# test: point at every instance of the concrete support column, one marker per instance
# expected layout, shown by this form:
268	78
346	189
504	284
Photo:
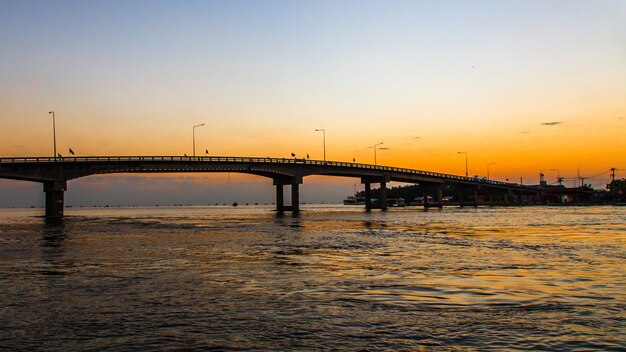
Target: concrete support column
367	181
383	195
54	198
506	197
368	196
295	198
461	200
440	196
425	196
280	201
295	194
475	198
490	194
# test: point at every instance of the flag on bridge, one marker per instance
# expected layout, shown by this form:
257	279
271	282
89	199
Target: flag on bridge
72	152
293	155
206	151
60	156
307	156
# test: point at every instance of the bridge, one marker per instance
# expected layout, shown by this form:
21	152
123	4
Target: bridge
54	173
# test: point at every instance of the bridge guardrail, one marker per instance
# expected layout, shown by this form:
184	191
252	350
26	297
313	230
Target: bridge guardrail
268	160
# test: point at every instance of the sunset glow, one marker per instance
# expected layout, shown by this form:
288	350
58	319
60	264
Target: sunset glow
529	86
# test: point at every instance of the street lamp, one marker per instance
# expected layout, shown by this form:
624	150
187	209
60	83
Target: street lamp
466	173
194	137
324	135
488	169
54	135
374	146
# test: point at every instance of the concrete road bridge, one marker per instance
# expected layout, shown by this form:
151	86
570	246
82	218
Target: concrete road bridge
54	173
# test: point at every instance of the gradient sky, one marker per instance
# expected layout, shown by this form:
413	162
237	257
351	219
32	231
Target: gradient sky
527	85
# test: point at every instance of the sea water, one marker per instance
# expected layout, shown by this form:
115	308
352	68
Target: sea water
331	278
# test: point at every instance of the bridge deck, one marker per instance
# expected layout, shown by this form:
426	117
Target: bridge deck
55	172
191	160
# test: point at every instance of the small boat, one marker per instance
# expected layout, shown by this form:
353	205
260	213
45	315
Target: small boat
354	200
395	202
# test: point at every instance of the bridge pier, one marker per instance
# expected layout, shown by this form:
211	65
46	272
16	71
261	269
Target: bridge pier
54	191
367	181
280	199
368	196
461	200
475	198
439	198
295	194
425	196
295	198
383	195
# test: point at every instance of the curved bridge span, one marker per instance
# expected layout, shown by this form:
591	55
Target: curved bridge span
55	172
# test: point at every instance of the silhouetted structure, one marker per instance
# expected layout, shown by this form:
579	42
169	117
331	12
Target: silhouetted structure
54	174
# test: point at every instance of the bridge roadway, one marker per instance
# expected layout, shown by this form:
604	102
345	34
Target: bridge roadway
55	172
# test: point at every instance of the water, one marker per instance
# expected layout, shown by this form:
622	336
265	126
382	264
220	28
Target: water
334	278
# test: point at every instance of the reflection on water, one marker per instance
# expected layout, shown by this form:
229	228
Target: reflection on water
331	278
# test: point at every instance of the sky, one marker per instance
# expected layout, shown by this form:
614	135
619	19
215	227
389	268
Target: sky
526	86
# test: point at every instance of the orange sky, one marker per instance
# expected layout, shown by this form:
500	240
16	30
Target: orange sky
425	80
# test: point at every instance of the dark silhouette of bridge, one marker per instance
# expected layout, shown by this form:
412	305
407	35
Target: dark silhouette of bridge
55	172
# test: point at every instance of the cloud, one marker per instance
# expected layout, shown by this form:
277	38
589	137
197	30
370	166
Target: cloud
551	123
525	132
383	148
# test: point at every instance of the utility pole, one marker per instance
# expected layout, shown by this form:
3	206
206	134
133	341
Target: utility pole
613	174
613	184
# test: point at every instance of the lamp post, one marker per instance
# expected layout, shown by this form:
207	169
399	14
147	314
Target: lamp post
466	173
374	146
194	137
324	135
54	135
488	169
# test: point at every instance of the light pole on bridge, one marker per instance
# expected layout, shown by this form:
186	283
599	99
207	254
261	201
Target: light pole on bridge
488	169
374	146
194	138
324	135
466	173
54	135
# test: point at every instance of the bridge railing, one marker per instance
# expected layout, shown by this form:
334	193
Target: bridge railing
80	159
